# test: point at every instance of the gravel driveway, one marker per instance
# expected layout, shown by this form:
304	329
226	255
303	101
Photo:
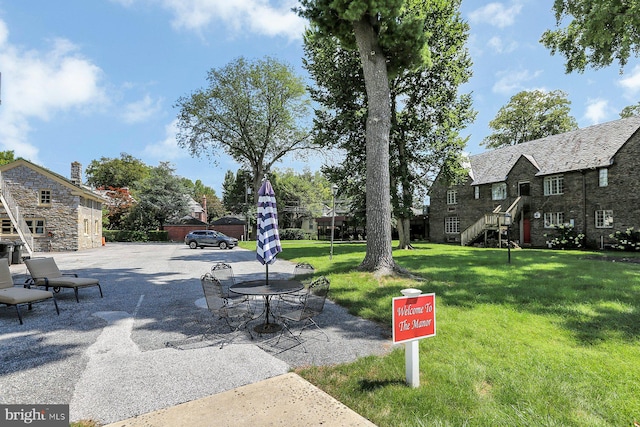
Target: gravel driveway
140	348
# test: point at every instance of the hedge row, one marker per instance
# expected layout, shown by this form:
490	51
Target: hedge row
135	236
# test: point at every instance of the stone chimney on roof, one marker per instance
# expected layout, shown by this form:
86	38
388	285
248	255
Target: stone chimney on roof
76	173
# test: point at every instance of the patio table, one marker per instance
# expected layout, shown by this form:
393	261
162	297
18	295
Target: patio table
267	290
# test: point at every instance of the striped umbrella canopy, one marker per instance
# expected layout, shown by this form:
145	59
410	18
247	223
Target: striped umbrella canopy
268	244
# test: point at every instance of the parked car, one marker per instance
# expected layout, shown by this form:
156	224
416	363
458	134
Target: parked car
202	238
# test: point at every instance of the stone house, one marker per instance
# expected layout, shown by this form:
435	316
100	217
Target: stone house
47	211
587	178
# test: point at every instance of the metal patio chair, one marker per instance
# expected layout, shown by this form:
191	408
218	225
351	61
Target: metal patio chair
303	271
235	313
313	305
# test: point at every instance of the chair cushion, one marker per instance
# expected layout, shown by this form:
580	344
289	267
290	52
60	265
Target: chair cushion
18	295
68	282
6	281
42	267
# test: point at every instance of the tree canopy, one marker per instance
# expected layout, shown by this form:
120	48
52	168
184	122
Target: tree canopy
162	196
254	111
630	111
116	172
530	115
597	32
7	157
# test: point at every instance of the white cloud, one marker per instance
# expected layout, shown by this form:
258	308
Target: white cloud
271	18
513	81
499	46
632	83
496	14
140	111
167	149
38	85
598	110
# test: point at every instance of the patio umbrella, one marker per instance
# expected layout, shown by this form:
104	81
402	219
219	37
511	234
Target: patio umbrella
268	244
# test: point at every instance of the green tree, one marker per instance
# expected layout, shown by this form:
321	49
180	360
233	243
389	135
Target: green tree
7	157
161	197
115	212
630	111
117	173
530	115
597	32
238	191
426	111
388	40
299	196
252	111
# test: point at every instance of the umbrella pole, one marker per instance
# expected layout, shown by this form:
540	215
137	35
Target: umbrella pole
267	267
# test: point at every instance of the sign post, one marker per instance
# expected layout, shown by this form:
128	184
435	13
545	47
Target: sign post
414	317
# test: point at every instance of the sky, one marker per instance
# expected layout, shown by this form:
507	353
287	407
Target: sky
82	80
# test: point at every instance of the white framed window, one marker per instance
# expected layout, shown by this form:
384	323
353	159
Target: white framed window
452	225
7	227
499	191
604	219
45	197
603	177
553	185
476	192
36	225
552	219
452	197
87	230
96	227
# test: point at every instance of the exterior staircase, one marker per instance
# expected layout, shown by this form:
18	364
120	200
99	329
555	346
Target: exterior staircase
18	222
490	221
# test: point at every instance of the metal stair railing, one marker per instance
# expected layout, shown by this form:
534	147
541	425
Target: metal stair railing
18	222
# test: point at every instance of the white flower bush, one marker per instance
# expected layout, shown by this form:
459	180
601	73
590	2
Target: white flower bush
566	237
628	240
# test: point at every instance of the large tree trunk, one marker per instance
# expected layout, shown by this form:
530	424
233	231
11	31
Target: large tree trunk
379	256
404	233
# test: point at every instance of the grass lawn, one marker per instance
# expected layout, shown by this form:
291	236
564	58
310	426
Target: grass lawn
552	339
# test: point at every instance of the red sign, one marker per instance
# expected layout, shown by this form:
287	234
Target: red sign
414	317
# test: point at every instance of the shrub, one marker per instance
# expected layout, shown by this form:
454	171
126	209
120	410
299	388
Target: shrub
292	234
566	237
628	240
125	236
158	236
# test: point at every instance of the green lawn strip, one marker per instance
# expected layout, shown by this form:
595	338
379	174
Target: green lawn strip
551	339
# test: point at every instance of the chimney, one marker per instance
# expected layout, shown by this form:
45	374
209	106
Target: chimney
205	215
76	173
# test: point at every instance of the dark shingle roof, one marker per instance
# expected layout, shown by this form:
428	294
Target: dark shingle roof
228	220
590	147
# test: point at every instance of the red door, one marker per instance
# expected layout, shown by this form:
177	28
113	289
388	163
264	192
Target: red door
526	230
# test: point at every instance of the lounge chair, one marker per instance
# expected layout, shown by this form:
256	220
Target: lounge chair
11	295
45	272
